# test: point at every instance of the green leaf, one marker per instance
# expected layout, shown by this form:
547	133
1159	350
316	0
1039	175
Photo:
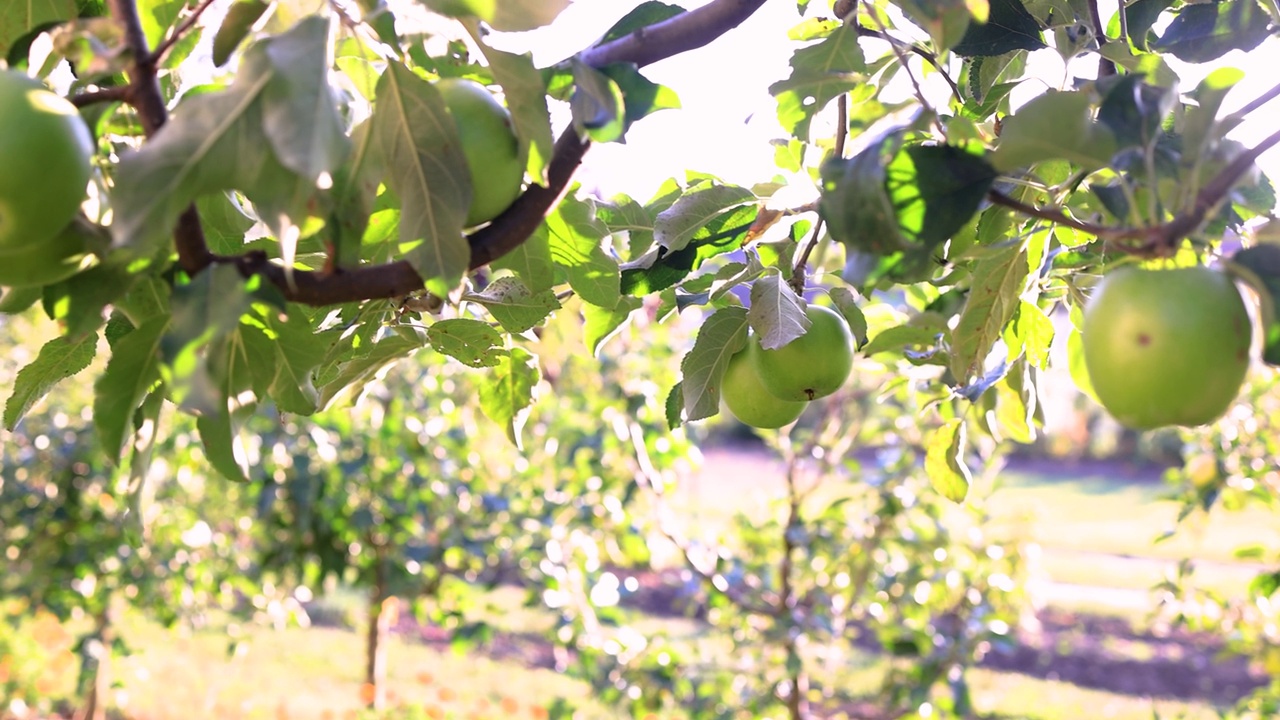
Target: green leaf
1206	31
299	114
521	15
819	74
60	358
224	222
575	235
1008	27
674	406
81	301
1030	332
204	309
357	371
418	141
16	300
998	282
298	351
507	393
157	17
936	190
217	437
1140	15
1262	263
643	15
19	17
513	305
214	141
641	96
599	109
676	226
722	334
855	201
922	334
944	461
600	324
777	313
353	199
525	95
946	21
472	342
1056	125
622	214
724	233
235	27
531	261
483	9
128	377
1199	120
1133	110
847	305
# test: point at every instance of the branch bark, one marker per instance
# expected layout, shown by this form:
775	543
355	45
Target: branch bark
687	31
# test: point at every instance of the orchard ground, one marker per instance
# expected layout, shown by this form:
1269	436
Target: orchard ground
1096	648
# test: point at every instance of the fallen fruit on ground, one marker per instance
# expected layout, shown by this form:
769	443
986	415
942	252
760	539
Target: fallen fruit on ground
813	365
489	144
744	394
1167	346
45	149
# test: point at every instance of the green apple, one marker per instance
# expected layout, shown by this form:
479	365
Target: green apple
489	144
813	365
45	152
743	393
1166	347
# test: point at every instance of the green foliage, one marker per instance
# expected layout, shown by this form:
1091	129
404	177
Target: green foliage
288	300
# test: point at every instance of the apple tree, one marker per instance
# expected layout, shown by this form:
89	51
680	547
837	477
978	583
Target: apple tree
277	214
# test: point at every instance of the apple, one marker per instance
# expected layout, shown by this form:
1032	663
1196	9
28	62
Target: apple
489	144
742	391
1166	347
45	152
813	365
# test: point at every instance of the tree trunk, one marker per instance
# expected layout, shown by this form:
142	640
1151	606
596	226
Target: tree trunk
95	699
382	611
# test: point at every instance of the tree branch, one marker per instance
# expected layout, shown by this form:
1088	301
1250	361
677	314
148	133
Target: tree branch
177	34
509	230
1213	193
143	92
1057	216
687	31
396	279
118	93
1105	66
932	59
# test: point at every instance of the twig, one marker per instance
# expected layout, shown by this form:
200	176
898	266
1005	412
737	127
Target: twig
118	93
1105	66
906	67
842	132
1057	216
177	34
1239	116
1213	193
927	55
